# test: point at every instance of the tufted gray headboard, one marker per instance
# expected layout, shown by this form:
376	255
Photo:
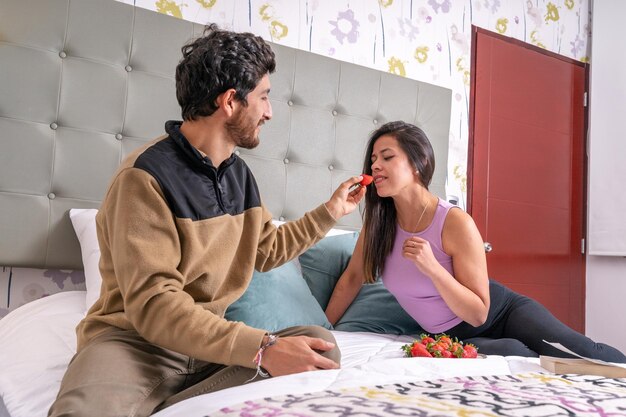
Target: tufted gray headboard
83	82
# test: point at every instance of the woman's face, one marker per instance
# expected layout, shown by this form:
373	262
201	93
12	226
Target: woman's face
391	168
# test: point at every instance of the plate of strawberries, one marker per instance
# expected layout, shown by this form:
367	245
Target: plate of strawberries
440	346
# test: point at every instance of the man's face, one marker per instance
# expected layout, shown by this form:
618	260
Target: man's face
246	122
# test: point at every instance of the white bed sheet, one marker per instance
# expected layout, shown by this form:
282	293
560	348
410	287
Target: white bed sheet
38	340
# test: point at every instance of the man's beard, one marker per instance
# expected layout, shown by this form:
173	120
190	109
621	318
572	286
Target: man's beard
242	130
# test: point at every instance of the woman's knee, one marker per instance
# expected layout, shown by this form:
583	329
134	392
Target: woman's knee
503	347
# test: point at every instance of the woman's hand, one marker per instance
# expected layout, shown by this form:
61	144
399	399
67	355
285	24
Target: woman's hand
418	251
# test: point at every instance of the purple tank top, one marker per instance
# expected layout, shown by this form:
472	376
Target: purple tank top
415	291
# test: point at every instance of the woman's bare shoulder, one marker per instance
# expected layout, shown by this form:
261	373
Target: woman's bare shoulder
459	230
457	218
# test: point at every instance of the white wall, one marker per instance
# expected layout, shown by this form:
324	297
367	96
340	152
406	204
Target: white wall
607	145
606	275
606	294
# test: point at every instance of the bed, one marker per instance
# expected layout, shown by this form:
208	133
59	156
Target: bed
374	379
85	82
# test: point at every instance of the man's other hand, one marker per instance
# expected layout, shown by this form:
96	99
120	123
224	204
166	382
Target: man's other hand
290	355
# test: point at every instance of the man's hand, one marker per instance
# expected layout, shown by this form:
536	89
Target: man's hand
344	201
291	355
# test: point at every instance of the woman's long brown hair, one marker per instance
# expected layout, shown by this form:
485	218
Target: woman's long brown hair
379	217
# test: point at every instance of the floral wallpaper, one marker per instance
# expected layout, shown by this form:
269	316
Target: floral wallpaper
427	40
19	286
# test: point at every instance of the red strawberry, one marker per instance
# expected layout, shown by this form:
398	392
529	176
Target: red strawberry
457	349
445	339
419	350
426	339
442	346
367	180
470	351
446	354
437	350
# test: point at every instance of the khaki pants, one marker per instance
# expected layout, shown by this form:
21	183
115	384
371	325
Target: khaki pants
119	374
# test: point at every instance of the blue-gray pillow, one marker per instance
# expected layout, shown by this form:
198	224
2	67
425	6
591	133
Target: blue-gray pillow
277	299
374	309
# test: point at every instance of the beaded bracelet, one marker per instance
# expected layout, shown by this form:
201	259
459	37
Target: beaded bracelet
271	340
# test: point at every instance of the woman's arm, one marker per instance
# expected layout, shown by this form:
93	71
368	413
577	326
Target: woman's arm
348	285
463	242
467	292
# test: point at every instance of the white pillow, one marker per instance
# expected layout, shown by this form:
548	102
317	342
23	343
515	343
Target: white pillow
84	222
38	341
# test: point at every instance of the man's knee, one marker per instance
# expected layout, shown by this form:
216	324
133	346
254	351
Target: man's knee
322	333
317	332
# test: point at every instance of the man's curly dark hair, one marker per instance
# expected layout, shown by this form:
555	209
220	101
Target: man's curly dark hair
215	62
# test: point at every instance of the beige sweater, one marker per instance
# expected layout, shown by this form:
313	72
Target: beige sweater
171	279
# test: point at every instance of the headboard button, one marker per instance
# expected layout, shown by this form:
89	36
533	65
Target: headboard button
281	218
52	196
286	161
62	54
290	103
53	126
375	121
118	136
331	167
237	152
335	113
128	68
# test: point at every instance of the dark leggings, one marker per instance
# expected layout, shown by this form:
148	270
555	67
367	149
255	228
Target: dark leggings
517	325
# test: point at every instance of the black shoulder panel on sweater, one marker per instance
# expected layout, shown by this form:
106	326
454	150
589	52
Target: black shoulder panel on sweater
194	188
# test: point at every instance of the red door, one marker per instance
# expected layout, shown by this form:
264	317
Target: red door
526	170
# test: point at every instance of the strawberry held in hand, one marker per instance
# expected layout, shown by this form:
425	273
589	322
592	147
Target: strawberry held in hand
441	346
367	180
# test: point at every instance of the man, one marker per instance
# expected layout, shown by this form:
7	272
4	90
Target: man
181	229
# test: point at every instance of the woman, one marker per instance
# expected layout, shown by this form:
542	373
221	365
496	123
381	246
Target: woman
430	256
